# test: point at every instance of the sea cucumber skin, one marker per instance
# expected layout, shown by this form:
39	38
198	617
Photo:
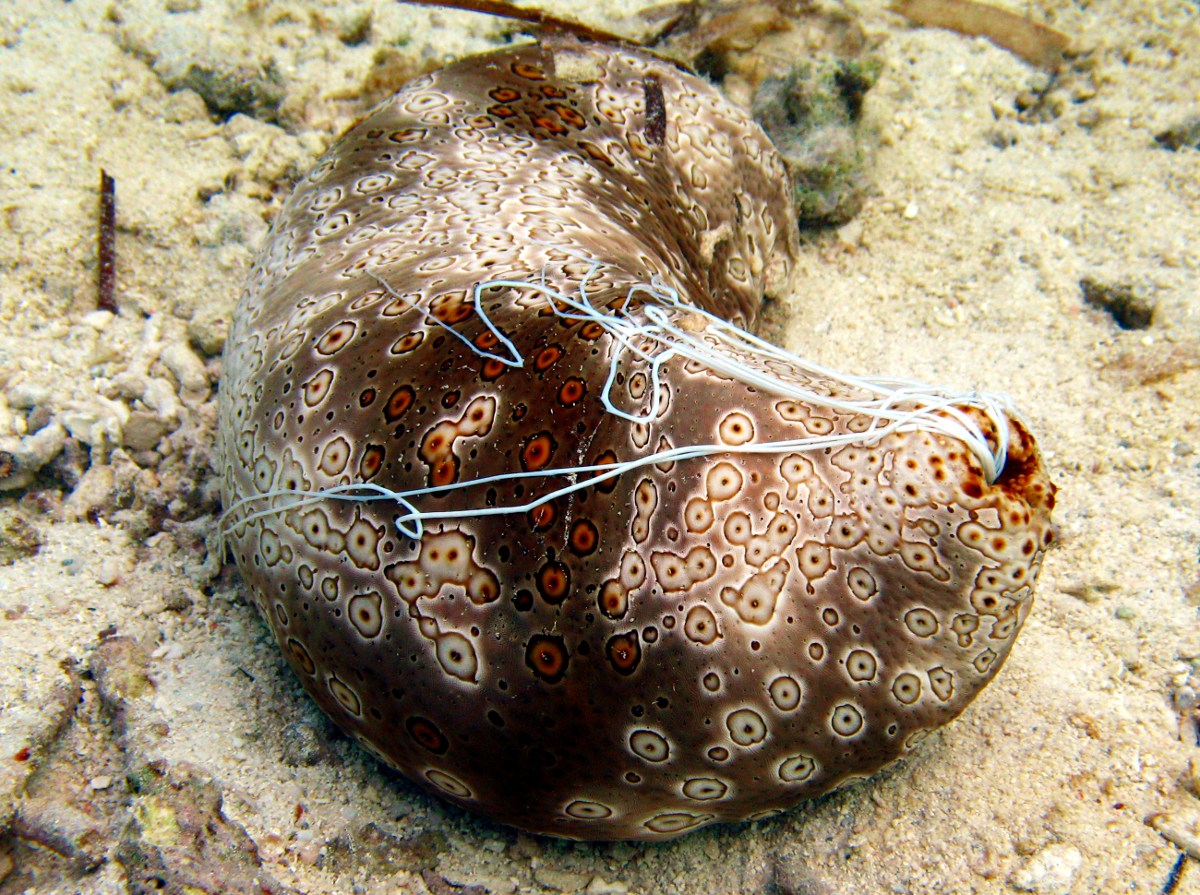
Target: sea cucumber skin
700	640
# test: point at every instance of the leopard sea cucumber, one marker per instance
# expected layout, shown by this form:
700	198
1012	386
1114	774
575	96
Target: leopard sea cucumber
537	522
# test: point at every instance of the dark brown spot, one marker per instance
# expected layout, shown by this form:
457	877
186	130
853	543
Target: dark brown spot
572	390
584	537
366	397
504	94
613	601
402	399
537	451
569	115
624	652
301	655
556	128
409	135
492	370
553	582
372	461
608	458
444	472
528	71
546	655
546	357
542	516
451	308
426	733
595	152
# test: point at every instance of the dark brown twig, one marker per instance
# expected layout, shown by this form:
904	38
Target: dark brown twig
532	16
106	279
656	111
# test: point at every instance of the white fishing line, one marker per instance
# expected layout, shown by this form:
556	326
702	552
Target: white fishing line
645	330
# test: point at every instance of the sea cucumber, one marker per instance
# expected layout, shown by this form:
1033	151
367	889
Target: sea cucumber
539	524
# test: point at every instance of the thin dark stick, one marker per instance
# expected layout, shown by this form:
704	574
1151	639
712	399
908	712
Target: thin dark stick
1175	875
533	16
106	280
656	111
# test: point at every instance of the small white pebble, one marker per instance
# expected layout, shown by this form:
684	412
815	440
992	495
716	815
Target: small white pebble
169	651
309	853
600	886
852	233
160	397
911	210
98	320
185	366
108	572
1050	872
104	781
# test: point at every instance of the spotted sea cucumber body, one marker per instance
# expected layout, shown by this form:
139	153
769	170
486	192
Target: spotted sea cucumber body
706	639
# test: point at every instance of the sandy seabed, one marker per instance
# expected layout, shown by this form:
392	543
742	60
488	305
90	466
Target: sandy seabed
146	716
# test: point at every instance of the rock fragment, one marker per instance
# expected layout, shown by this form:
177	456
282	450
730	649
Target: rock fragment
21	459
179	840
1181	828
143	431
19	538
1049	872
1123	302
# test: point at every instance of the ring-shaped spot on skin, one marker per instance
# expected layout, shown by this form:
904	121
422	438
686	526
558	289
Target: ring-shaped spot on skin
797	768
746	727
846	720
861	665
785	693
448	783
705	789
583	809
650	746
547	657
